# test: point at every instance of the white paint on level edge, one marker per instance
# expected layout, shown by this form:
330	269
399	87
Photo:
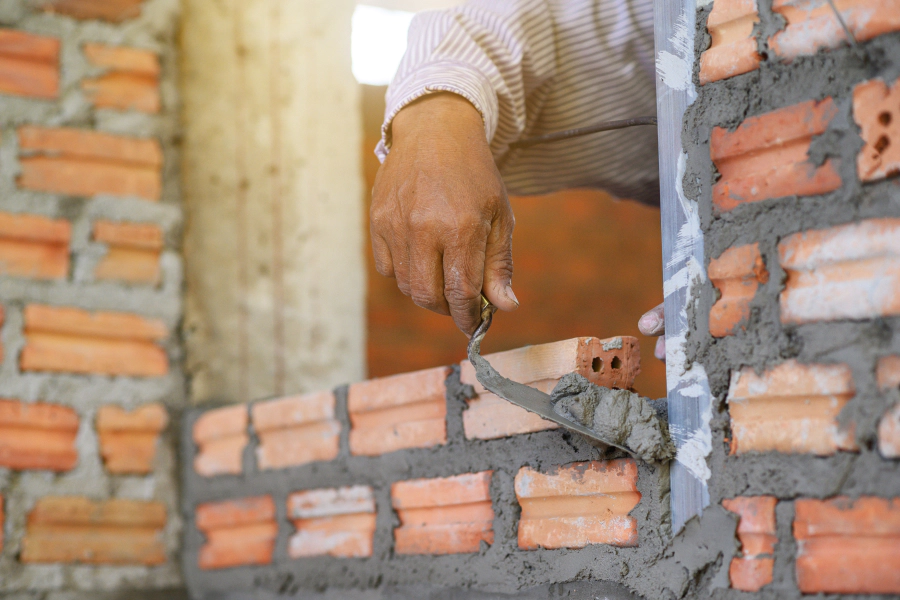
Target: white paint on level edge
675	68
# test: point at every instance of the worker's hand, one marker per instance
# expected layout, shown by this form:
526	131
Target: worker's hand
441	223
653	322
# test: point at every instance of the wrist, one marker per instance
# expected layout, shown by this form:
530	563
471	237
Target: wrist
441	114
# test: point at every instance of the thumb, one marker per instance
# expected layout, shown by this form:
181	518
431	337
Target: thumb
498	263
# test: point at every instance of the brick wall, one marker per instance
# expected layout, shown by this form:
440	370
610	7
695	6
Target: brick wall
389	489
90	290
791	160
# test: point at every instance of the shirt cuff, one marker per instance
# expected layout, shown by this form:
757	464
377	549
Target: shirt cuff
436	77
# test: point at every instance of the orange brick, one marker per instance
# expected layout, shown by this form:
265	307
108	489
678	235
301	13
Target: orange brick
756	532
846	272
848	547
733	48
134	251
128	441
34	246
402	411
84	163
131	82
37	436
450	515
888	375
541	366
29	64
78	530
106	10
811	24
335	522
579	504
296	430
221	436
238	532
737	274
790	408
767	156
72	340
876	109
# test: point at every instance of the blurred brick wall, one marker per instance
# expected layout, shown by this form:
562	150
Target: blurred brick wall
584	265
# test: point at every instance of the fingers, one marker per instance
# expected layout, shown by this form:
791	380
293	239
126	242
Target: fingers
380	250
653	322
498	264
660	350
463	273
426	276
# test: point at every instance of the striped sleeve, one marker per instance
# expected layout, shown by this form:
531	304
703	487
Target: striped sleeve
537	66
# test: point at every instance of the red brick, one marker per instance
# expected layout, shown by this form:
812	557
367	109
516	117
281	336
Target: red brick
756	532
37	436
221	436
578	504
238	532
296	430
876	109
34	246
541	366
450	515
733	48
84	163
29	64
848	546
133	254
846	272
790	408
811	24
767	156
79	530
72	340
737	274
107	10
335	522
128	440
888	375
402	411
132	79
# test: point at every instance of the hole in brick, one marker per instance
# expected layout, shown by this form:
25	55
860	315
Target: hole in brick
616	362
882	144
885	118
597	364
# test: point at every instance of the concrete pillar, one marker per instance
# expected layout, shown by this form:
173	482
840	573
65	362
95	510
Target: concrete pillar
273	196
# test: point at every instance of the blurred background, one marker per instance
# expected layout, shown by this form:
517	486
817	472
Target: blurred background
585	264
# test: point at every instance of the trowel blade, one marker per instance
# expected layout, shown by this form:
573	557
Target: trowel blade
519	394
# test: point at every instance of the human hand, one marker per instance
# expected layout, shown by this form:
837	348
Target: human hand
440	221
653	322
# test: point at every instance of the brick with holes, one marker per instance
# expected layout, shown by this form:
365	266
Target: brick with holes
876	109
337	522
131	80
133	251
29	64
128	440
221	436
37	435
238	532
34	246
612	362
888	376
296	430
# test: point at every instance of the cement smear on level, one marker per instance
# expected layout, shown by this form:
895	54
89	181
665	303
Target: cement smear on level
622	417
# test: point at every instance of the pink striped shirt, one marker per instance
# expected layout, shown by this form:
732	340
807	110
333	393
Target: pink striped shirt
538	66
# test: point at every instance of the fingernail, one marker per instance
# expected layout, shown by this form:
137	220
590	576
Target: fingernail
511	295
649	322
660	350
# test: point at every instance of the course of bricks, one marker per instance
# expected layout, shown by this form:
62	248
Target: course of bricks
90	298
792	161
380	482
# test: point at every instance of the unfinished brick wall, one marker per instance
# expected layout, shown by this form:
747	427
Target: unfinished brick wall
90	293
394	487
791	157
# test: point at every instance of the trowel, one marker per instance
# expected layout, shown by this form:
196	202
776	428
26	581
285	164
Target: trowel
519	394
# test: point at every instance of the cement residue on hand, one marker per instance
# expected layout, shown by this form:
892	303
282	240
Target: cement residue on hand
619	416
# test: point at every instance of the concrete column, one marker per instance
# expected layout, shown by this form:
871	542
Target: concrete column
273	197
